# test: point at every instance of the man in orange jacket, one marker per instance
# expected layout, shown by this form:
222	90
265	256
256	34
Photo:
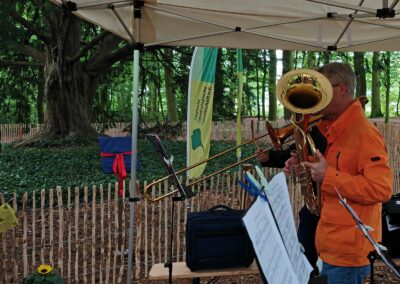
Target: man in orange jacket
355	163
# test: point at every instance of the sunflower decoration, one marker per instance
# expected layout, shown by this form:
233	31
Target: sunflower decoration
44	274
44	269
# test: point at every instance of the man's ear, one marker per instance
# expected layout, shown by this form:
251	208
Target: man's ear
343	89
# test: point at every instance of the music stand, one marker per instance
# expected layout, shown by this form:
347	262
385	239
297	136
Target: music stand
166	161
185	193
378	248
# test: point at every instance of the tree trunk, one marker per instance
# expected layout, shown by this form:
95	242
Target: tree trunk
153	100
264	83
158	90
219	103
169	88
69	90
359	70
311	62
40	98
256	60
387	85
287	62
376	94
272	86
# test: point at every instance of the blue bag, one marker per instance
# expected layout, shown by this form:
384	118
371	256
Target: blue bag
117	145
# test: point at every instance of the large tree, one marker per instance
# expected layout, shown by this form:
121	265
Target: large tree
74	56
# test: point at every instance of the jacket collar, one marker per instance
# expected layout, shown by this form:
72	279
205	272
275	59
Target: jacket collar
350	116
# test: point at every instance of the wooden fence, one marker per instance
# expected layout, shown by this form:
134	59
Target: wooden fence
221	130
14	132
76	230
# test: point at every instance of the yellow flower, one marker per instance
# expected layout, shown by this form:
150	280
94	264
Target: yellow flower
44	269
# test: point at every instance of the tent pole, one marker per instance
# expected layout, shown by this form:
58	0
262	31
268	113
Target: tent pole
132	188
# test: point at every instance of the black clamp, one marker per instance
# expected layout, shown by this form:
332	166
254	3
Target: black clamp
238	29
70	6
133	199
138	46
137	11
331	48
385	13
331	14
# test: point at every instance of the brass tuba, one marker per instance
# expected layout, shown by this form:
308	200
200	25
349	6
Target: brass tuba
305	92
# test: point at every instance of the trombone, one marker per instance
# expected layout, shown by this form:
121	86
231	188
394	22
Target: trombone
272	132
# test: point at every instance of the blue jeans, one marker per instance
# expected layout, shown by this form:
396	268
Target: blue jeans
345	275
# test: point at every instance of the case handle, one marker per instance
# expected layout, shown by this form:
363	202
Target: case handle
220	206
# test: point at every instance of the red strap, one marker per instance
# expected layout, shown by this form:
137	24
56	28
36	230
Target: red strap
118	168
115	154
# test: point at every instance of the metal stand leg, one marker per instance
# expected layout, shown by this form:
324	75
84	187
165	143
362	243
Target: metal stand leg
168	264
372	256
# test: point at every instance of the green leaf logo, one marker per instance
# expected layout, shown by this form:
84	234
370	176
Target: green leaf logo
196	139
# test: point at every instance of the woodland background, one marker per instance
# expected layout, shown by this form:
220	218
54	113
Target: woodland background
58	70
66	74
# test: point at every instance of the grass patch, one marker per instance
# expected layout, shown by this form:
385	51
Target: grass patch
28	169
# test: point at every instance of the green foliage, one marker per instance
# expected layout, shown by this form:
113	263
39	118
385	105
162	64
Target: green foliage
29	169
114	92
50	276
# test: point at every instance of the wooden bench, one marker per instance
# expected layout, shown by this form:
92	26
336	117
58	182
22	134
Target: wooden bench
181	271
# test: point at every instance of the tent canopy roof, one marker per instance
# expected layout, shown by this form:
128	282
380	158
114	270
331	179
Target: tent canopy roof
318	25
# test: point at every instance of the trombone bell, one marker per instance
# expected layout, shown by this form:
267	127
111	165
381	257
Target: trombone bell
304	91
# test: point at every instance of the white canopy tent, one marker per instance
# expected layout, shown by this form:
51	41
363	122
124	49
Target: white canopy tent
318	25
351	25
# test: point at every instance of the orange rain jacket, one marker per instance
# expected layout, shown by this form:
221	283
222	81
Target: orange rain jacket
358	168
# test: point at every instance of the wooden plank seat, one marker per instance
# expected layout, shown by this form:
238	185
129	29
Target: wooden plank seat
181	271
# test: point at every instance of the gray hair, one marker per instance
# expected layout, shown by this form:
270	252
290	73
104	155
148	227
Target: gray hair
338	72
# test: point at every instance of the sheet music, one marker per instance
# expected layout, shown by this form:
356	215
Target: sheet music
278	195
267	243
292	258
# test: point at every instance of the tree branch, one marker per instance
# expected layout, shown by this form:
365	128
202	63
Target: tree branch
83	51
20	64
29	26
122	54
27	50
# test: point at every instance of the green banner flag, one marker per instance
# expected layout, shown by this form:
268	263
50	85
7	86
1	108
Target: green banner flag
200	102
239	103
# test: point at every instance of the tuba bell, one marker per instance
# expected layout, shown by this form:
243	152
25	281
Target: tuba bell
305	92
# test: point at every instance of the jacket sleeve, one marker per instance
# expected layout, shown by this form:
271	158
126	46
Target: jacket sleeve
374	179
277	158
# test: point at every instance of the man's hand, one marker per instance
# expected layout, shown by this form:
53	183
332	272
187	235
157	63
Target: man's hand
262	156
318	169
290	164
